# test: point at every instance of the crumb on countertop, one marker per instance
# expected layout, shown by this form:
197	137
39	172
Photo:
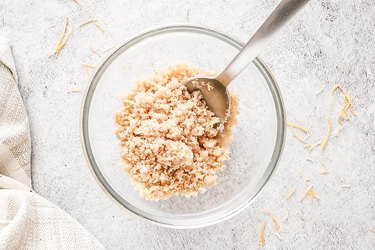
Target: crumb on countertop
290	194
275	221
262	236
309	192
64	37
91	20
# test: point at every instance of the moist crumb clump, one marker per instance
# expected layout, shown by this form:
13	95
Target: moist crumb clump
170	144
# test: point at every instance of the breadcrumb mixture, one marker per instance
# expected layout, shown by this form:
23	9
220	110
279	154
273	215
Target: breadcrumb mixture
169	142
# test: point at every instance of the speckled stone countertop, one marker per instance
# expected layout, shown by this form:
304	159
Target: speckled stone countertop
332	41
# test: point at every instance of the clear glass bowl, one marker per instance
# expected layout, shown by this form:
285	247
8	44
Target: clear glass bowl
258	136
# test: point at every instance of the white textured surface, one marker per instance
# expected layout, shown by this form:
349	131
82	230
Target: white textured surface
333	41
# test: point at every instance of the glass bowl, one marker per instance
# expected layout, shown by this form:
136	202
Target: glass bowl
258	137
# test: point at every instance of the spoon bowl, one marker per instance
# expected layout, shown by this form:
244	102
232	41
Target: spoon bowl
214	93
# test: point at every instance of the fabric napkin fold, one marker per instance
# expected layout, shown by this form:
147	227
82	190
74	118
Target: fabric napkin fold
27	221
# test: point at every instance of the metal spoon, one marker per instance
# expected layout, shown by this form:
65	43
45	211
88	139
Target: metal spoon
214	89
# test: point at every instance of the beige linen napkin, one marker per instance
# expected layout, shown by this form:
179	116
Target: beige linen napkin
27	221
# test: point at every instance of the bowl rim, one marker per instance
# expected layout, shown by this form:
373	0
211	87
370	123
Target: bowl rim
187	222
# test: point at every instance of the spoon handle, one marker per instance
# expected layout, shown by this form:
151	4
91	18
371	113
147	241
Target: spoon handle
274	24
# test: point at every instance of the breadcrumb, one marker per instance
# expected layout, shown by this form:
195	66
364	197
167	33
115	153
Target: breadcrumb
297	126
91	20
170	144
309	191
275	222
312	195
87	68
63	39
262	230
300	139
99	26
290	194
338	87
87	65
310	147
324	142
346	106
95	51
